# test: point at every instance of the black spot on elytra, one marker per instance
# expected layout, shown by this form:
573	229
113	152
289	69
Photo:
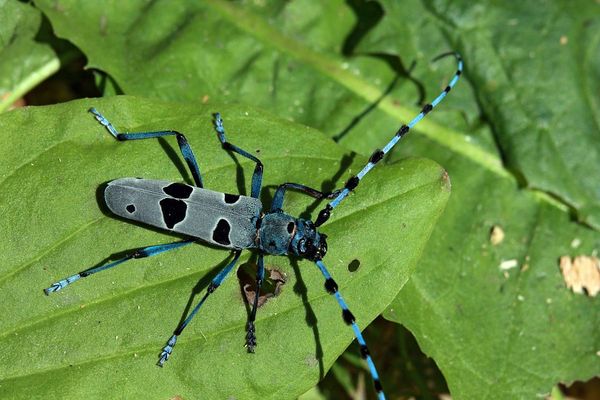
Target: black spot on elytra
221	233
231	198
290	227
130	208
178	190
173	211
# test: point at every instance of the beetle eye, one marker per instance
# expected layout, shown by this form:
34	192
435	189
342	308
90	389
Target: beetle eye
323	247
290	227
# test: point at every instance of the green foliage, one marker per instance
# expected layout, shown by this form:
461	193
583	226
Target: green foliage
223	50
24	62
513	334
500	334
107	332
518	135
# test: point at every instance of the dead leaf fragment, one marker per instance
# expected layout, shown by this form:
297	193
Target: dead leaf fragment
496	235
581	274
272	287
508	264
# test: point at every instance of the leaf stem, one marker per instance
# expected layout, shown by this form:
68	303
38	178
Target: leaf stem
31	81
35	78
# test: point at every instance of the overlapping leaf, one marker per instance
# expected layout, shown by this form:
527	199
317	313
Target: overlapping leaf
535	72
23	62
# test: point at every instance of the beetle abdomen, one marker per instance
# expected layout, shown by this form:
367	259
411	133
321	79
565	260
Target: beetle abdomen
218	218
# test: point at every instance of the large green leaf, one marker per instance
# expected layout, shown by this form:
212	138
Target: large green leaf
528	102
24	62
106	331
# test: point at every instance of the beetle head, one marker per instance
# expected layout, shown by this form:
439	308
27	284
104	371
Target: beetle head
307	242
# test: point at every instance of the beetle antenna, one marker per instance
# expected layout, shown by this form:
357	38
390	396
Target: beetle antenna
378	154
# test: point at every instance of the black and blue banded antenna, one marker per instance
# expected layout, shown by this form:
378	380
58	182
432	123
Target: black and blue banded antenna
351	184
378	155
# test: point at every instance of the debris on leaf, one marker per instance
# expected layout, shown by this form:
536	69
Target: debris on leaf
575	243
581	274
496	235
508	264
271	286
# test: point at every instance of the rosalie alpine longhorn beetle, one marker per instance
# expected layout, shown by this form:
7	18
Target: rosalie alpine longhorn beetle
234	221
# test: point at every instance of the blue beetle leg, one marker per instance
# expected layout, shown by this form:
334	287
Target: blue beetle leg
277	203
258	169
378	154
140	253
184	146
251	332
214	284
349	319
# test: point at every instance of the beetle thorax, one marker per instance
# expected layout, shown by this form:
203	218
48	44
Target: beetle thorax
281	234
